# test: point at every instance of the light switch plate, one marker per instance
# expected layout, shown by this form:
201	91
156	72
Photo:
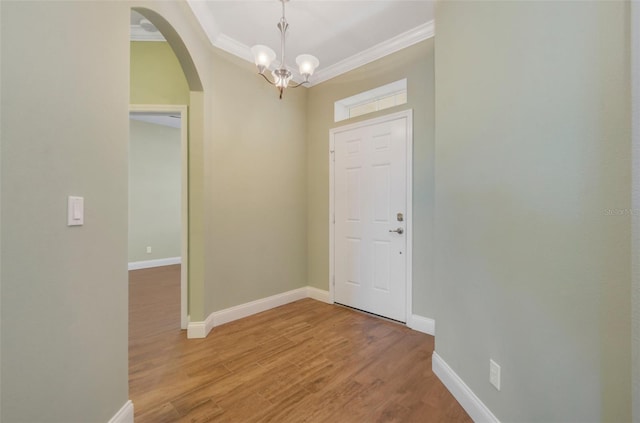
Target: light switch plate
494	374
75	211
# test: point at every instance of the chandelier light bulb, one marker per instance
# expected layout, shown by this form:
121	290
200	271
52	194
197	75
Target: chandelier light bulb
307	64
263	59
263	56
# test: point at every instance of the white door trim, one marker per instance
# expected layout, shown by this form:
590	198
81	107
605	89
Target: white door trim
408	114
184	194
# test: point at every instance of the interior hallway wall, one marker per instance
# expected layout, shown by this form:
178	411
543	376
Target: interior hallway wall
64	104
256	230
154	191
635	286
533	183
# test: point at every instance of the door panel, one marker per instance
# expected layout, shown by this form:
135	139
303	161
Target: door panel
370	189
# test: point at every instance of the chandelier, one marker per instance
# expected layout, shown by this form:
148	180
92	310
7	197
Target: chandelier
282	76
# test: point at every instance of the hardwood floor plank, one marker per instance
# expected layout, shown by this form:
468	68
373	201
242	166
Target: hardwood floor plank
263	351
205	412
361	406
161	413
303	362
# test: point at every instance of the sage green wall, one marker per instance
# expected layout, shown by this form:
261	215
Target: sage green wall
532	150
635	249
256	167
64	102
154	191
1	118
416	64
156	75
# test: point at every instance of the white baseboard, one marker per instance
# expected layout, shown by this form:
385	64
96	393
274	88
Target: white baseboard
124	415
422	324
200	329
136	265
217	318
318	294
465	396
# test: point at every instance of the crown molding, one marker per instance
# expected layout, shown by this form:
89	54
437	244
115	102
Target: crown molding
231	45
392	45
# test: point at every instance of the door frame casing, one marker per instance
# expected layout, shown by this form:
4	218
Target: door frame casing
184	196
408	115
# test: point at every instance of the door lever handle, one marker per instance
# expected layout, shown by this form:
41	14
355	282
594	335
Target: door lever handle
399	230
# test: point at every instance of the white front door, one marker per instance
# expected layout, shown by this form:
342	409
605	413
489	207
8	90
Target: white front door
370	206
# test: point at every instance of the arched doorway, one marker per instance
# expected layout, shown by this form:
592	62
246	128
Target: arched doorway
193	273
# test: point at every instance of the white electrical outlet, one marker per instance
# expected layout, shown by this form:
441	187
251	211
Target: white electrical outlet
148	250
494	374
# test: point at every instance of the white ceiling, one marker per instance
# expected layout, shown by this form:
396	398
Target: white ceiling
342	34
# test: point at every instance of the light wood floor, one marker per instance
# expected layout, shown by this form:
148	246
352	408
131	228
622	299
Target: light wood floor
302	362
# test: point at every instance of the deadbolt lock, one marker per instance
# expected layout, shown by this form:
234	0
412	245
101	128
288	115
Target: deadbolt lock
400	217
